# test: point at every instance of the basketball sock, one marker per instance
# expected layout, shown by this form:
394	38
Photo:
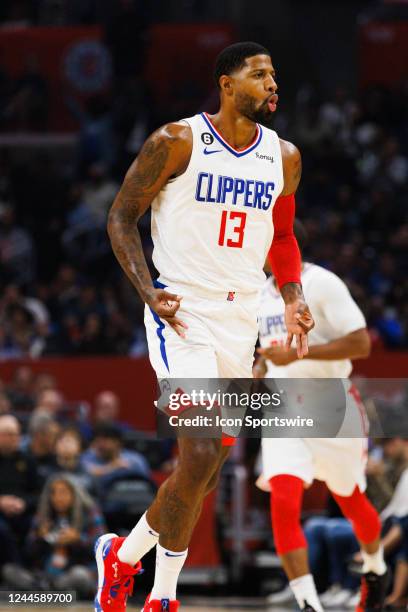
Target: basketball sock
374	562
304	589
168	567
140	540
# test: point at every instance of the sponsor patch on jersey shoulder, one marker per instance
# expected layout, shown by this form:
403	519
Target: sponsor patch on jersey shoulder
207	138
265	157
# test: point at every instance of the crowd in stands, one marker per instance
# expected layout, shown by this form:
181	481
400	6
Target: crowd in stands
60	473
62	290
68	473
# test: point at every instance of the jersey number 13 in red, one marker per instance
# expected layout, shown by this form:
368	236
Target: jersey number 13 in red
232	223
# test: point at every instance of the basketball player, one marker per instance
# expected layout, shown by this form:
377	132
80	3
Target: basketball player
290	464
220	189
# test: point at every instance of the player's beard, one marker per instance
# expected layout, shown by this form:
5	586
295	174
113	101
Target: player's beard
252	110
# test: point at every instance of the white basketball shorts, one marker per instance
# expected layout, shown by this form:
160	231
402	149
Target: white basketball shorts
220	339
340	462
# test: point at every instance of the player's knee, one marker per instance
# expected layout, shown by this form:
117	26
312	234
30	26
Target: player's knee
362	514
203	459
286	502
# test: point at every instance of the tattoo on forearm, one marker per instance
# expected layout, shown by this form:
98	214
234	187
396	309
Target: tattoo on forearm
128	249
291	292
150	164
123	218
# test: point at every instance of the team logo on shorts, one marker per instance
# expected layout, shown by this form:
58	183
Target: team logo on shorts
231	296
207	138
164	385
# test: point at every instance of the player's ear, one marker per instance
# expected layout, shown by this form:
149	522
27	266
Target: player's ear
226	84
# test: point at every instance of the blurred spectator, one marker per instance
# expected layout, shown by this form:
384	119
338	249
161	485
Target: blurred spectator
84	238
20	391
5	404
68	450
17	252
99	192
106	459
107	410
396	449
43	382
18	489
28	106
50	402
335	537
60	543
43	430
97	141
398	598
94	340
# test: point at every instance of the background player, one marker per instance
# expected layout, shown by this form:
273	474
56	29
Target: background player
291	464
212	183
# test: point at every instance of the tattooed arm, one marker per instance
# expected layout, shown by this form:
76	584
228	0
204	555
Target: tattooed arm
298	319
164	155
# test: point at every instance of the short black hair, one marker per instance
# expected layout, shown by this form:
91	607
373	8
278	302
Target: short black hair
233	58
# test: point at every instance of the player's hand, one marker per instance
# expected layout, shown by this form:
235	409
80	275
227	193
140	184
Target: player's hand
165	305
279	355
259	368
299	322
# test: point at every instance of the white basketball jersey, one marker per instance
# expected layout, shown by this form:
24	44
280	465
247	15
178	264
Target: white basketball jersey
212	226
335	314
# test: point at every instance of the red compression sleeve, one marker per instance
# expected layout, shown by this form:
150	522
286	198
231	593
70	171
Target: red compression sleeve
286	507
362	514
284	254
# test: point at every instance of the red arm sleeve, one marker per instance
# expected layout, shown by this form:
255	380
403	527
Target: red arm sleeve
284	254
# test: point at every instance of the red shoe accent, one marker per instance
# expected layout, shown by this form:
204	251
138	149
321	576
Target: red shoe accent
373	591
115	581
363	596
156	605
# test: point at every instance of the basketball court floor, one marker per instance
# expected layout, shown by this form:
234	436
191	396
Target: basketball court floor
188	605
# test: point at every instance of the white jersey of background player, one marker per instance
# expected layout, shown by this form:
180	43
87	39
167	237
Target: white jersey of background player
339	323
336	315
339	336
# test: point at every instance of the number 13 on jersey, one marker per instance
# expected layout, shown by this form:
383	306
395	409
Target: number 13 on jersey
232	224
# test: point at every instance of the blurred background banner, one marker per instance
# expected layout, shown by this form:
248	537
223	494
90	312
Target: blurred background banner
383	53
185	78
71	61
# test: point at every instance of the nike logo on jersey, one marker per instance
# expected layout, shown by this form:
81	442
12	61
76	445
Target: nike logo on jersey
207	152
170	555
